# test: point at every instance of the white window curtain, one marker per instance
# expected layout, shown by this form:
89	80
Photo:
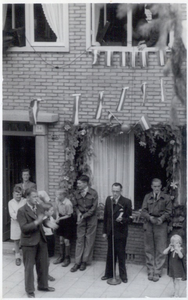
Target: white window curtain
111	163
4	14
96	15
54	17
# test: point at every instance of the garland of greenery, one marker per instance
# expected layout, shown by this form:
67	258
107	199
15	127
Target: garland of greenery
79	150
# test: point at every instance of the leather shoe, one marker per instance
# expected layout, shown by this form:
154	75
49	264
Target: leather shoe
82	266
156	278
104	277
18	261
75	268
48	289
125	280
31	295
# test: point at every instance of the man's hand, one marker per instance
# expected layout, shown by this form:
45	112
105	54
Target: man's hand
153	220
119	219
159	221
51	224
104	236
39	219
79	218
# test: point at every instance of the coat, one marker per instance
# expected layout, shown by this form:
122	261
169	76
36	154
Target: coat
123	206
30	232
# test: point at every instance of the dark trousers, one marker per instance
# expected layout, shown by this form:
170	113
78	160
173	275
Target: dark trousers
35	255
155	240
119	253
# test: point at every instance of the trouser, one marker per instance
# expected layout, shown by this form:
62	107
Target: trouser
119	253
35	255
86	232
155	240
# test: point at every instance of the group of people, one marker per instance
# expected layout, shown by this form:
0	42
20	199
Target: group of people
34	219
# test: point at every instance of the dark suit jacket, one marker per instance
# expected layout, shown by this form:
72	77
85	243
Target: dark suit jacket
30	233
124	206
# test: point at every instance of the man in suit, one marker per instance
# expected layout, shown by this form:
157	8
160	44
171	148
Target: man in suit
26	183
34	244
122	211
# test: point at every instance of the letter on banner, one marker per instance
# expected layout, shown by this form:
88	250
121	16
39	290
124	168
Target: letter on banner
108	58
123	59
144	58
162	91
144	122
96	54
143	89
133	58
110	115
162	57
76	109
122	98
99	107
33	111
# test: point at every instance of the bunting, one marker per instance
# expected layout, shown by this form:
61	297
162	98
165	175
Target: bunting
162	57
99	107
108	58
162	91
122	98
76	109
143	89
96	55
110	115
144	58
33	111
123	59
134	55
144	123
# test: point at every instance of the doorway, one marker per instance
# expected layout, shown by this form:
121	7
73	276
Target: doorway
18	154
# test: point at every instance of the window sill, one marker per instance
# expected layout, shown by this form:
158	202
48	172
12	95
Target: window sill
124	49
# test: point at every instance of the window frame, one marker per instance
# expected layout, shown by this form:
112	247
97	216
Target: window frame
33	46
129	48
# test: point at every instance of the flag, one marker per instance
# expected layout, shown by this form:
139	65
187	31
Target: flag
122	98
96	54
162	91
162	57
108	58
99	107
143	89
110	115
33	111
123	59
144	123
76	109
144	58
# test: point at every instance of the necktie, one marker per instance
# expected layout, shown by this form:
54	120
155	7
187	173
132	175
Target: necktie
35	210
155	197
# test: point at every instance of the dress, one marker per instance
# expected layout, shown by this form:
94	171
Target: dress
66	226
175	265
13	207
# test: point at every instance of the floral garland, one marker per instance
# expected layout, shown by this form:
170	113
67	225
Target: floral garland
79	149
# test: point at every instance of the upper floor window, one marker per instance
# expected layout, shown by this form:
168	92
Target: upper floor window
120	25
40	27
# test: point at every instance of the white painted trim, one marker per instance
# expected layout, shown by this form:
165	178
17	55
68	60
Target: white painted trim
23	116
18	133
131	167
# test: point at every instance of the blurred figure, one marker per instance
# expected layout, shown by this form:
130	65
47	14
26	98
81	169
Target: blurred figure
26	183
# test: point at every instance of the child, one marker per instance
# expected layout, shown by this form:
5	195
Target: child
64	218
44	200
15	232
175	262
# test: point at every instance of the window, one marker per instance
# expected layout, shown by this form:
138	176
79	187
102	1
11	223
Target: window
118	25
40	27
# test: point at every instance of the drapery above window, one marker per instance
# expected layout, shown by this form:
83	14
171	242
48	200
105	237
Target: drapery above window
111	163
54	16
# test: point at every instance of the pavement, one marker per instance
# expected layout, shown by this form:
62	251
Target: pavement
86	284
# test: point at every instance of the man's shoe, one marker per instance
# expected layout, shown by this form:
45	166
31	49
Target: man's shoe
59	260
150	277
50	278
82	266
75	268
48	289
18	261
105	277
156	278
125	280
31	295
66	262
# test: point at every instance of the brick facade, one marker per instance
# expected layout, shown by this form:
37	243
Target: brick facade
27	76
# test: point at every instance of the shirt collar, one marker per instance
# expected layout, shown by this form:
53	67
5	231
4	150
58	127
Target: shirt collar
32	207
